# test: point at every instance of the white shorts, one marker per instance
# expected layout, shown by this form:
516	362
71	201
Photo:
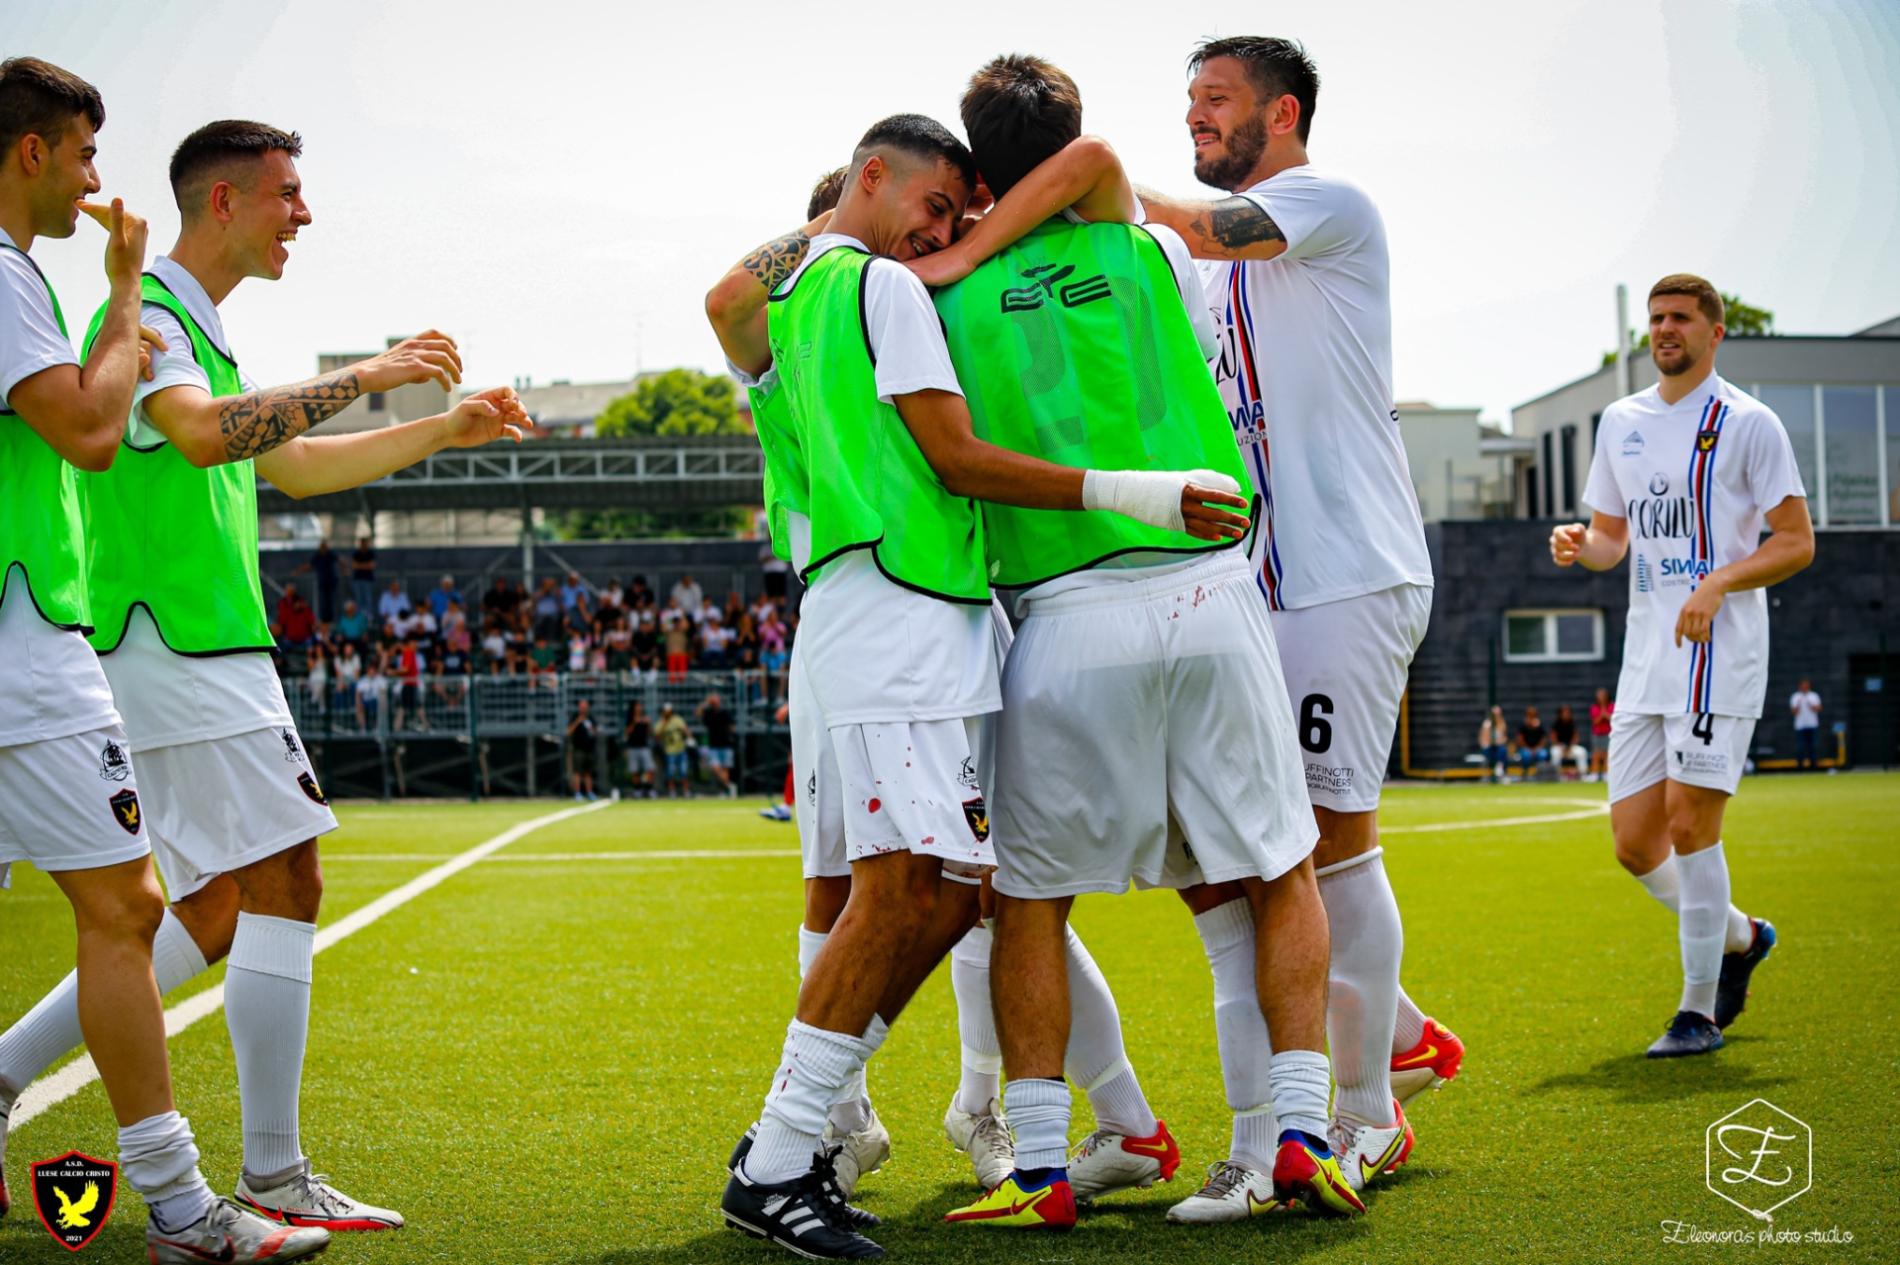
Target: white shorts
1137	715
70	803
1346	665
835	823
1696	750
221	805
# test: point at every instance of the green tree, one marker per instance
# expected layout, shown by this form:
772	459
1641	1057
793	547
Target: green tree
1741	318
677	402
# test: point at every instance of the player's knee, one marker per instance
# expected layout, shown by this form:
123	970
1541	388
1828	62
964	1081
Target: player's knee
1633	856
128	910
1689	829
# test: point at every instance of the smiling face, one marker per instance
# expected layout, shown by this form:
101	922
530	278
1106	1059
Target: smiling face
1681	335
916	203
1228	123
66	176
266	209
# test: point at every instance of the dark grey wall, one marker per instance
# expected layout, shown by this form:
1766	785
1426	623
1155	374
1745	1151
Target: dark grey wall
1819	623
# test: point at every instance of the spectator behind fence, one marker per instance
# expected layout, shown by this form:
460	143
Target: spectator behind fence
352	624
296	621
1565	747
393	604
678	638
371	688
572	591
1533	742
322	566
363	574
547	608
580	750
1805	706
637	739
1493	740
317	679
717	753
442	595
674	737
687	595
1601	712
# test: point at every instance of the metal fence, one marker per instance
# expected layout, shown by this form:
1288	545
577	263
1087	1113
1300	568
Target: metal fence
507	735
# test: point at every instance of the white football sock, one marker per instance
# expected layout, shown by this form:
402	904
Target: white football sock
811	1075
1702	925
1096	1060
809	942
267	1009
1665	884
982	1073
1409	1029
852	1111
159	1158
1240	1030
51	1028
1301	1079
1038	1113
1363	984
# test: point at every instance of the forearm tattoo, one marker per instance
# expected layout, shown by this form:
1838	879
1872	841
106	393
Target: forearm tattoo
256	423
1233	224
778	259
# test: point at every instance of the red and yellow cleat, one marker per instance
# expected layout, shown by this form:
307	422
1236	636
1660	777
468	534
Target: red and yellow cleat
1312	1178
1427	1065
1044	1205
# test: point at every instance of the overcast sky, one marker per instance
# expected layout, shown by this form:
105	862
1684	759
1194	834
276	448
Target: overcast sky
557	184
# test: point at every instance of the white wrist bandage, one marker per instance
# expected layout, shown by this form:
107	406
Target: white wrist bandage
1148	496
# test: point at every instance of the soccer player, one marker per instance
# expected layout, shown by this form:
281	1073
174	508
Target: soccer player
897	640
1299	283
1126	631
233	807
1686	475
69	797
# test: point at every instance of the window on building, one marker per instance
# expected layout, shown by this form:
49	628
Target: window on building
1794	405
1553	636
1550	466
1851	423
1530	491
1568	440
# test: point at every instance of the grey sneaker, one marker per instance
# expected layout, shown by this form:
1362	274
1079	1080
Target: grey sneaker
308	1199
228	1234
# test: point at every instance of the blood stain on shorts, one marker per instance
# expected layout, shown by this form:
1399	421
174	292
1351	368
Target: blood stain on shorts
874	805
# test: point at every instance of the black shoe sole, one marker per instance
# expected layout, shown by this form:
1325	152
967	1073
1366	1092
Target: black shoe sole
751	1231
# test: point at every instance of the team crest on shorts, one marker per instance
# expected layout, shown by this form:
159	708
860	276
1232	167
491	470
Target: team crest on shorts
125	810
966	776
978	816
311	790
73	1194
293	751
114	766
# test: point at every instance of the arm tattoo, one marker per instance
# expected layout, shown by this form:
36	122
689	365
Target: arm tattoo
1233	224
777	259
254	424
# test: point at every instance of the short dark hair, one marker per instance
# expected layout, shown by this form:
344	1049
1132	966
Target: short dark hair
1705	295
920	137
1275	67
37	98
1018	110
825	194
215	146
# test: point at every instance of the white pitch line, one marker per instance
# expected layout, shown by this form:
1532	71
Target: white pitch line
50	1091
528	858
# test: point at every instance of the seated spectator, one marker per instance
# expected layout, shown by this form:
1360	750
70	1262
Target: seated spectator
687	595
1493	739
1601	712
425	629
444	594
317	684
544	661
392	603
500	600
371	689
447	684
1533	742
715	642
573	591
705	612
735	607
408	665
613	597
494	645
772	651
353	624
1565	747
639	596
578	645
547	607
294	616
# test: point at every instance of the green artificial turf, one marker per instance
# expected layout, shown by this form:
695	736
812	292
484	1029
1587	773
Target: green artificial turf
548	1059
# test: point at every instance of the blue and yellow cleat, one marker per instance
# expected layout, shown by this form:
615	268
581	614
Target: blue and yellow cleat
1731	993
1305	1172
1022	1202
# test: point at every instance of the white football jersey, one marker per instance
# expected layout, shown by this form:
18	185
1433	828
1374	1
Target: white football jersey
1306	371
1693	480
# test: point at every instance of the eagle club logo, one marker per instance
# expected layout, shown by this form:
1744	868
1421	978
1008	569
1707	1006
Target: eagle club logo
311	790
73	1194
978	816
125	810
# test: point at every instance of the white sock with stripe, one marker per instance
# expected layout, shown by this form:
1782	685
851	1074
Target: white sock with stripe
1240	1030
1096	1059
981	1077
1664	883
